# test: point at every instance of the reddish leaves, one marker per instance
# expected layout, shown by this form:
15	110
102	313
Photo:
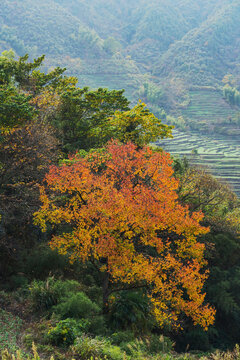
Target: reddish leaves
123	209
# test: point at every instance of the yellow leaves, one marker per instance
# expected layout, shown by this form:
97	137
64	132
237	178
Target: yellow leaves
163	315
40	221
138	125
233	218
123	208
6	130
47	100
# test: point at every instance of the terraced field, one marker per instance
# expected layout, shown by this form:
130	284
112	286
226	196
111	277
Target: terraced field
208	111
220	156
208	105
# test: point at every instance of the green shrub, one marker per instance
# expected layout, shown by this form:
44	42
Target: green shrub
94	292
142	347
4	299
135	349
28	339
43	261
85	348
66	331
122	337
112	352
195	339
45	294
98	325
130	309
17	281
156	344
77	306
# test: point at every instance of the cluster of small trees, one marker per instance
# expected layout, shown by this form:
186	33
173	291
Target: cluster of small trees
232	95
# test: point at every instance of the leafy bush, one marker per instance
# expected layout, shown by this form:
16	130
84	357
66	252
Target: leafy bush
28	340
66	331
43	261
94	292
195	339
98	325
156	344
142	347
135	349
85	347
130	309
17	281
112	352
45	294
77	306
122	337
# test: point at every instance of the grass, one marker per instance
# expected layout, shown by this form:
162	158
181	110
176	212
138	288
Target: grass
10	331
228	355
12	340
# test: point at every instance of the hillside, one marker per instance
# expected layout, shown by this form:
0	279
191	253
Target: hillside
173	44
111	248
208	52
35	25
180	38
172	55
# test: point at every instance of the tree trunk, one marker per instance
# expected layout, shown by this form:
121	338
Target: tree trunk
106	292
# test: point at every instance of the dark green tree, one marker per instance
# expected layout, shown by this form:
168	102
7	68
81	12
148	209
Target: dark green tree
20	82
81	112
201	191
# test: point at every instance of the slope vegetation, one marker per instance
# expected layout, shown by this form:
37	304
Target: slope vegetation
171	54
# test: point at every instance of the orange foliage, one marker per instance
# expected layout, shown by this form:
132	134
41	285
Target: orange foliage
124	213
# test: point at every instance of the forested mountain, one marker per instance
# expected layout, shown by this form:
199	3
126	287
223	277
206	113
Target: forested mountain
197	42
204	55
176	56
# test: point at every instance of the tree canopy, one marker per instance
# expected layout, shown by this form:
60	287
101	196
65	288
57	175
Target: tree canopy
122	212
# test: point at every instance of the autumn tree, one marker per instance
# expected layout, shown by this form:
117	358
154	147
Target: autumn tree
118	208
